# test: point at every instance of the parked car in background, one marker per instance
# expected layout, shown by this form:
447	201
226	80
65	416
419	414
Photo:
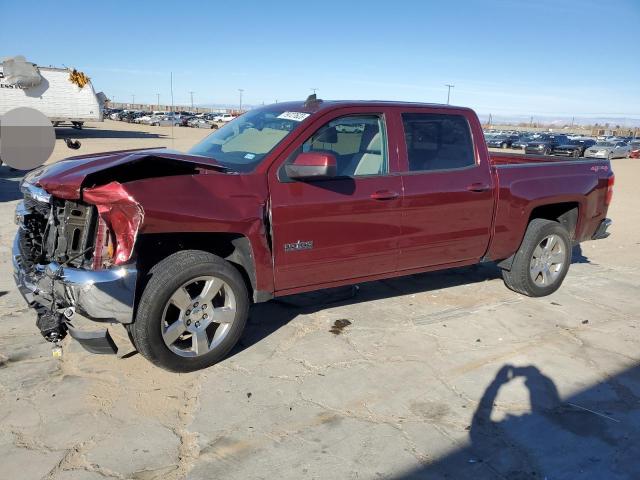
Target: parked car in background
166	121
608	150
144	118
184	120
635	149
522	141
575	148
501	141
202	123
545	144
225	117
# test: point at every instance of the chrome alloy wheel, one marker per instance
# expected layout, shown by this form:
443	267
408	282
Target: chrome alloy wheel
198	316
547	261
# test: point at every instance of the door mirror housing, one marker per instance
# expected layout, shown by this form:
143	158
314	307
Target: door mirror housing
312	166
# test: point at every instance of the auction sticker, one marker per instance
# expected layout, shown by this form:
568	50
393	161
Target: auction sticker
295	116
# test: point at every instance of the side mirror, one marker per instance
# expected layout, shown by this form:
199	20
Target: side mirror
312	165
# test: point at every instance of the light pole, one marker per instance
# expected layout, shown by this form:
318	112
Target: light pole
314	89
133	100
191	93
158	101
449	87
240	90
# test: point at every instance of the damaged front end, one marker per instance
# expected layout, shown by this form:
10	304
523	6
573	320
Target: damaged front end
75	256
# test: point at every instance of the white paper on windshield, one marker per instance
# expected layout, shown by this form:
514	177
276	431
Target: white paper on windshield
295	116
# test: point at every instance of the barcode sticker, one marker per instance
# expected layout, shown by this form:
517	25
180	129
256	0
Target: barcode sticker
296	116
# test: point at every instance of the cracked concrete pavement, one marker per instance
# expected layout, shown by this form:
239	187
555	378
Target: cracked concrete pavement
439	375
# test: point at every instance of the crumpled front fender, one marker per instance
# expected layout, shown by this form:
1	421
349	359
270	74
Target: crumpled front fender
120	213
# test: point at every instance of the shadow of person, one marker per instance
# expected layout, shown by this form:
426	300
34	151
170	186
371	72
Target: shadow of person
531	445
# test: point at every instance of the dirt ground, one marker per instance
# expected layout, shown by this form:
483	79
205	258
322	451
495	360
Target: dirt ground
439	375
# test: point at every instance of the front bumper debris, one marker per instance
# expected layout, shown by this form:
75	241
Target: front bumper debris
58	291
102	295
94	342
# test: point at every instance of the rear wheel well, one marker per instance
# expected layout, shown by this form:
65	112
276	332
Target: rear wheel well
235	248
564	213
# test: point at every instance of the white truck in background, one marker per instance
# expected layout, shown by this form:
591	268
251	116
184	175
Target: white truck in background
55	92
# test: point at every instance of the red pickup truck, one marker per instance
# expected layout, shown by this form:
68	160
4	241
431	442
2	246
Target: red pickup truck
289	198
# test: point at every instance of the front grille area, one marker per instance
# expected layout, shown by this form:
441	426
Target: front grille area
58	230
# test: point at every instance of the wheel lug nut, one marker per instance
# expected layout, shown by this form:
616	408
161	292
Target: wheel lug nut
188	322
197	324
205	316
188	312
195	305
204	305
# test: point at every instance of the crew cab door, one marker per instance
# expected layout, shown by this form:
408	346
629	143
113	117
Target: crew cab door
341	228
447	207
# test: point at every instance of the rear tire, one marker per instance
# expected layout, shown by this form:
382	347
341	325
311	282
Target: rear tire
542	261
196	343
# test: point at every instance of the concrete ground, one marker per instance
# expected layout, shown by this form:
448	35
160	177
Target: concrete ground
439	375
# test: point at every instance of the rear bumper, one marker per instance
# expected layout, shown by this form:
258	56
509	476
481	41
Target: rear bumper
102	295
601	231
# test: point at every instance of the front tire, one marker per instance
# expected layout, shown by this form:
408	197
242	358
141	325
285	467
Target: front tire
542	261
192	311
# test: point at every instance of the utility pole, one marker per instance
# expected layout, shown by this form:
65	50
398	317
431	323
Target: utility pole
449	87
240	90
314	89
191	93
158	101
531	121
133	100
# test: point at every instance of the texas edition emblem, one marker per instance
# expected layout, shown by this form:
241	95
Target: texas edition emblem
299	245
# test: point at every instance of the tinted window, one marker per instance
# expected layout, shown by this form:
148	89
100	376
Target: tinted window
437	142
357	141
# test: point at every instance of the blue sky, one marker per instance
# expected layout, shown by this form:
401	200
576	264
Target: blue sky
506	57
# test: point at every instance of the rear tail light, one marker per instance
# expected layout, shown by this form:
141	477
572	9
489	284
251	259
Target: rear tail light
610	181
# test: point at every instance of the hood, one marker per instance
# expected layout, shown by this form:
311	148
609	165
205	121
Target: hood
568	146
537	142
595	148
66	178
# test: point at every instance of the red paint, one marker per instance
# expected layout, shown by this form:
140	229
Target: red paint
362	228
120	214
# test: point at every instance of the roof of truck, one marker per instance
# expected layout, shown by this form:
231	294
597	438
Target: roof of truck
322	105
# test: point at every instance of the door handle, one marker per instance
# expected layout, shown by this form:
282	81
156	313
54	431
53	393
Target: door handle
478	187
384	195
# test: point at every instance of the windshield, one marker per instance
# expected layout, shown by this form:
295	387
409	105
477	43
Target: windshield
244	142
604	144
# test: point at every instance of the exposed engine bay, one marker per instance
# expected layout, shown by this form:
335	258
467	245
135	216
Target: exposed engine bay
60	231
